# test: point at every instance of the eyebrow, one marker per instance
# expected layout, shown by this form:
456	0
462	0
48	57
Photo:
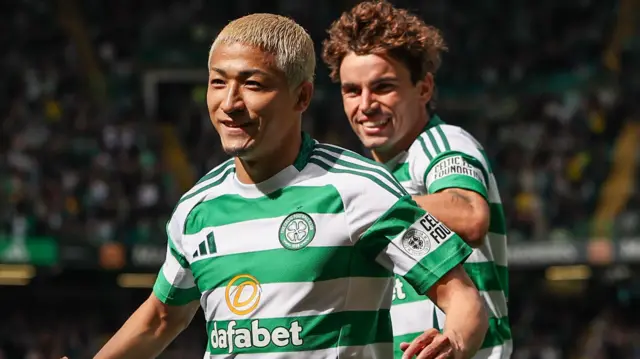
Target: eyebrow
243	73
373	83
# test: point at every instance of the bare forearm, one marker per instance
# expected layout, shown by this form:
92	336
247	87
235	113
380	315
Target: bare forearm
448	208
144	335
466	322
465	213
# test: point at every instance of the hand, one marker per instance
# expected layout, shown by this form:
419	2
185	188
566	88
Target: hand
429	345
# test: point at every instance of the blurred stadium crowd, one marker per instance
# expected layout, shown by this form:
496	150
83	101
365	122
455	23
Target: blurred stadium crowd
525	77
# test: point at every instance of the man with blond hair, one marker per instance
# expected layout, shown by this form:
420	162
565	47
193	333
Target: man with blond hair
385	60
290	246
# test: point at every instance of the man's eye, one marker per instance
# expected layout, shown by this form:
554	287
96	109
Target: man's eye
384	88
253	85
350	91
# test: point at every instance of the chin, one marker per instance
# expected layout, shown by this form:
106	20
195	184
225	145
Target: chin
238	150
373	143
235	151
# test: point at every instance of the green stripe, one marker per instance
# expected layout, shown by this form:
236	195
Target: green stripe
497	222
433	142
447	147
402	215
401	172
487	276
171	295
216	171
438	263
424	148
309	264
330	168
232	208
458	181
373	167
497	334
357	328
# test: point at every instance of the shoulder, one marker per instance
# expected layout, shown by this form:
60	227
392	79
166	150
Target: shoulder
211	184
458	137
353	173
211	180
444	140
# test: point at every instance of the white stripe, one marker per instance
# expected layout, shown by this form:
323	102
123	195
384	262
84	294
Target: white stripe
413	189
176	275
370	351
306	298
282	300
412	317
498	352
262	234
372	170
494	194
496	303
494	250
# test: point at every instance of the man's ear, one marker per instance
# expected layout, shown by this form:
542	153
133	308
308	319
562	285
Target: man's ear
426	87
304	92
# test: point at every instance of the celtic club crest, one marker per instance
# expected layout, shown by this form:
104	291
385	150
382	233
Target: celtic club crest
297	231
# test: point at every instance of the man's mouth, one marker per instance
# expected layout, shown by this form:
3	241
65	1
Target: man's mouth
376	123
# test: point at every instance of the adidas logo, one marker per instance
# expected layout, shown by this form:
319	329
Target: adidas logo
206	247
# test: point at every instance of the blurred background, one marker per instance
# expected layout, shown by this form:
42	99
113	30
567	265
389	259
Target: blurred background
104	126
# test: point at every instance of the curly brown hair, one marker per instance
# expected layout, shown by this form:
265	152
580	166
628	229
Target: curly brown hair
377	27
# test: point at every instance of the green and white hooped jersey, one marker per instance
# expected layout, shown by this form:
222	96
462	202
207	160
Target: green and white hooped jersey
446	156
302	265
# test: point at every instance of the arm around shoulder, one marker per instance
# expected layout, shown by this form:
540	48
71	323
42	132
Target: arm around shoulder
149	330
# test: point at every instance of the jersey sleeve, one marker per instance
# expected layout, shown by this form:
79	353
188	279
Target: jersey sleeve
394	231
449	158
175	284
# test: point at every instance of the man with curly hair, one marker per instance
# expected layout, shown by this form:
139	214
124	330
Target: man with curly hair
385	60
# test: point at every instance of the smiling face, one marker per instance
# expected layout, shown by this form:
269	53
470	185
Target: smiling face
250	102
384	107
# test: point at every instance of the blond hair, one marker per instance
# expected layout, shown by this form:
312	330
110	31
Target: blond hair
284	38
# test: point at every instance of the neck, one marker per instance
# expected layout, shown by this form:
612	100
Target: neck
385	154
266	165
